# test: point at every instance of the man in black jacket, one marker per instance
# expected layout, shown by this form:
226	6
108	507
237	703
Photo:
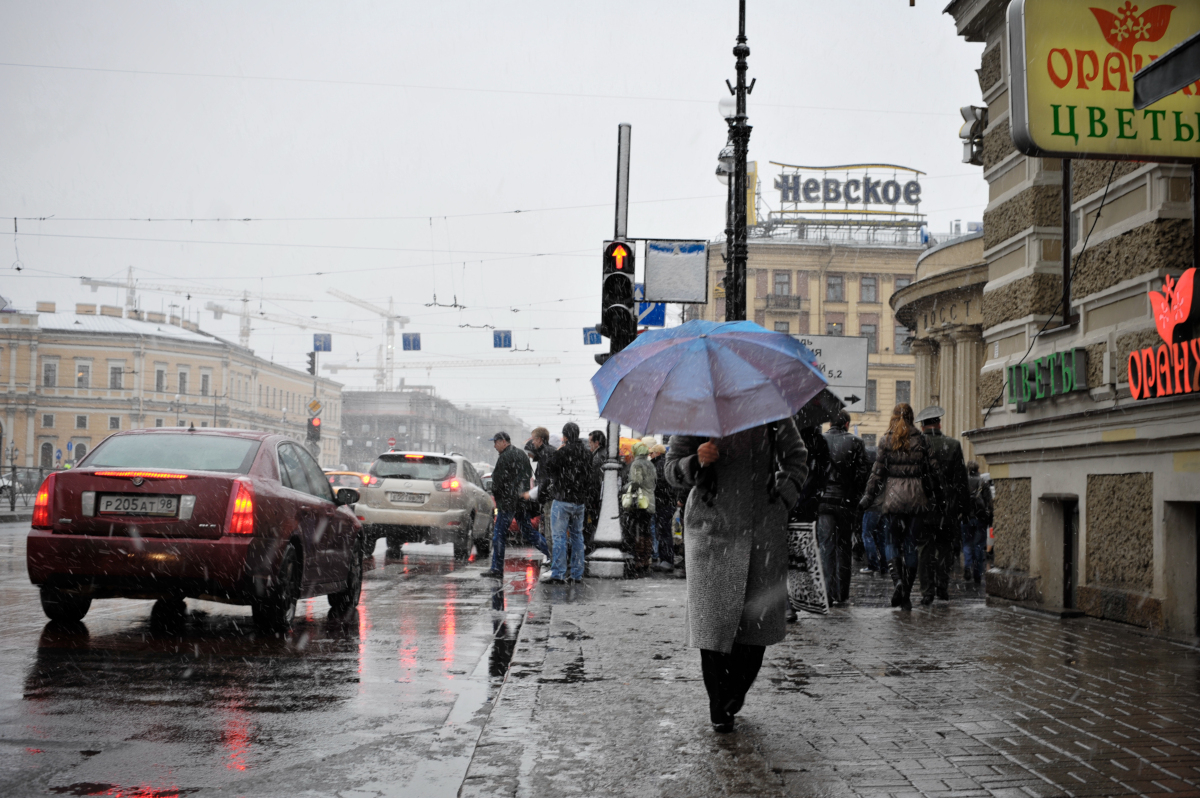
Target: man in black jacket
598	444
839	500
569	470
510	479
940	529
539	449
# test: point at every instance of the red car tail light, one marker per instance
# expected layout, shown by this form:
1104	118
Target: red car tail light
373	480
451	484
142	474
43	506
241	520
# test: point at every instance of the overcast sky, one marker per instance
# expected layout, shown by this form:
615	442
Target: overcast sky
382	149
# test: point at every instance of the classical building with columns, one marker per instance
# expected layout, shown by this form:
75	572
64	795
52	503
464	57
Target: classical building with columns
944	310
71	379
1091	423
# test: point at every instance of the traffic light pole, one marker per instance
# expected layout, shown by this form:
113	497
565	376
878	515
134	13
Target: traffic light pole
607	560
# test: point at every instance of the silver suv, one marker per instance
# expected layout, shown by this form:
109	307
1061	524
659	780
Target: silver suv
427	497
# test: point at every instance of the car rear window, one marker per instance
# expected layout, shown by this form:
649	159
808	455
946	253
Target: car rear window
345	480
413	466
187	452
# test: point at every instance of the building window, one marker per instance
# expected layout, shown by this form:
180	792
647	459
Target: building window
80	452
869	439
901	282
871	333
870	289
205	380
158	422
872	400
835	328
183	382
49	375
835	288
783	327
204	423
783	283
903	347
114	422
83	375
47	419
903	392
160	380
115	377
46	455
80	422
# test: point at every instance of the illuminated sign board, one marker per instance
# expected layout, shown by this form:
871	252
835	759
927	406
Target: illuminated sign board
1072	65
849	189
1173	367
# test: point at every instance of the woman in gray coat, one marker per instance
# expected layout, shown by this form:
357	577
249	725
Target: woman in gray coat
741	488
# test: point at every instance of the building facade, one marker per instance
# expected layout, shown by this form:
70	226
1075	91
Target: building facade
818	287
944	311
1096	484
72	379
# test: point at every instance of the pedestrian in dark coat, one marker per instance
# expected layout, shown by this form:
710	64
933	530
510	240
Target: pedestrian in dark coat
903	474
664	511
976	520
510	479
598	444
839	505
741	488
569	469
940	530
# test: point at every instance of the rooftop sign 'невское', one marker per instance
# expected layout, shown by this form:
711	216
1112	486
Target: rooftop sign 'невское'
1072	65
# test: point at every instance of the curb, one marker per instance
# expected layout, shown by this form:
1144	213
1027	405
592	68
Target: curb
12	518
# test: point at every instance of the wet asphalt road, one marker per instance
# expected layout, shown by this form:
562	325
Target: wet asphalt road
390	703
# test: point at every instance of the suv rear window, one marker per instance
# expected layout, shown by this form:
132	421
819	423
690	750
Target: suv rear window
413	466
187	452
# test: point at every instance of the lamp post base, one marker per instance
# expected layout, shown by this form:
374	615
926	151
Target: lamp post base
606	563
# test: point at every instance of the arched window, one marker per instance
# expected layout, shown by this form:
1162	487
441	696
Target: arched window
81	451
47	455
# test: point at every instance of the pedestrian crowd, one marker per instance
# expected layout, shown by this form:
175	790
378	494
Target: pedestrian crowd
912	502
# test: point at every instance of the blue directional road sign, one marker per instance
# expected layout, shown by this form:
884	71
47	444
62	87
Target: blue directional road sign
411	342
502	339
58	454
650	314
70	446
322	342
591	336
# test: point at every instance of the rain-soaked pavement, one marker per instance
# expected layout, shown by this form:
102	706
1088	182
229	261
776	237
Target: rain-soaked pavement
391	702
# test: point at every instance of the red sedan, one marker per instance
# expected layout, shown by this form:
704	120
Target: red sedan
224	515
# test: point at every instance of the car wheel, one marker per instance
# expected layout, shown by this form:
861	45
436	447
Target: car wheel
462	542
483	547
395	542
347	599
168	614
64	607
275	611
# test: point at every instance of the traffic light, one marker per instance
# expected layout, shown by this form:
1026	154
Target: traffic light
618	319
312	363
314	430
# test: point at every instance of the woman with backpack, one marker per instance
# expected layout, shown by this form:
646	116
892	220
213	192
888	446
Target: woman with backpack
903	474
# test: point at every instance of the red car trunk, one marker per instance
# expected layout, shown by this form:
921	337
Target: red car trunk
129	503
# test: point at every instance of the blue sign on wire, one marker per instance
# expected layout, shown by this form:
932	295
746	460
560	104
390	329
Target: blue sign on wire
591	336
322	342
411	342
650	314
502	339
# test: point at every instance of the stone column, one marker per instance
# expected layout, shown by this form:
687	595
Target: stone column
947	369
968	345
922	350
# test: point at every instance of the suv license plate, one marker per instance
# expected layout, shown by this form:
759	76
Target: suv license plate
407	498
139	505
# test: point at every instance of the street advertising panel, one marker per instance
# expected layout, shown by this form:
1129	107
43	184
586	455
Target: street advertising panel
1072	64
843	361
676	271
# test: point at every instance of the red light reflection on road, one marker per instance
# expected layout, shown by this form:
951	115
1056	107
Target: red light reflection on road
364	628
140	791
236	730
446	628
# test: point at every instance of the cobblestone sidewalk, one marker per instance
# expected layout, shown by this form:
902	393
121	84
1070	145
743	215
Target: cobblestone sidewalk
961	699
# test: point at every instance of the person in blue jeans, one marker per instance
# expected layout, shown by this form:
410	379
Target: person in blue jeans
873	539
510	479
976	520
570	471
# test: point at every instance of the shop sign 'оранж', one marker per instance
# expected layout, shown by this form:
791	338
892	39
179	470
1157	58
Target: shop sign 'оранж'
1072	65
1173	367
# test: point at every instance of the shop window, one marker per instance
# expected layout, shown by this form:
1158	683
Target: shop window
872	399
835	288
83	375
116	379
783	327
903	392
49	375
870	289
80	422
871	333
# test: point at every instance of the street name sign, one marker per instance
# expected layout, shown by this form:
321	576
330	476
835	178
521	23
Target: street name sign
843	361
1073	64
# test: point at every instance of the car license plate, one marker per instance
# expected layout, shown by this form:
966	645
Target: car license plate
139	505
407	498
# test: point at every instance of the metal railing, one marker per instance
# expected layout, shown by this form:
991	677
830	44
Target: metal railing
784	302
27	481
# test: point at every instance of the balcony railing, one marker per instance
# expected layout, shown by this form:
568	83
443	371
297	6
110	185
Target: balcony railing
784	302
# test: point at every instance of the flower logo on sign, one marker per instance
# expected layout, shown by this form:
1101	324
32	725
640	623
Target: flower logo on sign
1173	304
1127	27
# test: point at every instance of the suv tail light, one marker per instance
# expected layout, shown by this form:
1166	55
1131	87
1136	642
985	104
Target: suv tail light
374	480
241	520
451	484
43	506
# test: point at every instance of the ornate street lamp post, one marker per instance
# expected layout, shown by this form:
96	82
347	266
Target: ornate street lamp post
739	139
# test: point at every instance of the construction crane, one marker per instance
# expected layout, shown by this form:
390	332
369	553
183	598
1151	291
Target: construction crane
438	364
391	320
131	287
219	310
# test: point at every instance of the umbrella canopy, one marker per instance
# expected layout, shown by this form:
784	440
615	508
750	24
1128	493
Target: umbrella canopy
707	378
